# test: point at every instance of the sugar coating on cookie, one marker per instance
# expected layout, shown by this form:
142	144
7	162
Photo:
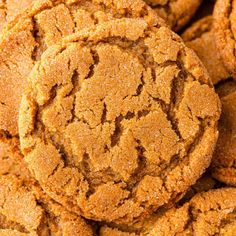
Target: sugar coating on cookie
177	13
224	31
199	37
224	161
10	8
25	38
118	120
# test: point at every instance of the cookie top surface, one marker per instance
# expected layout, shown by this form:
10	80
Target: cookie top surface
118	115
224	31
176	12
24	208
207	213
25	38
224	161
10	8
199	37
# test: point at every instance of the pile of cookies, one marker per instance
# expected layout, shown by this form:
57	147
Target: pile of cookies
117	117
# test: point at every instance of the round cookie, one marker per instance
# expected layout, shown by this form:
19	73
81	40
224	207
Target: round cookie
199	37
118	120
10	8
175	12
208	213
224	31
25	38
224	160
24	208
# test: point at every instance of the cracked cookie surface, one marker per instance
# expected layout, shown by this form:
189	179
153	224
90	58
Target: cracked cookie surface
177	13
208	213
24	208
199	37
118	120
47	21
224	30
224	159
10	8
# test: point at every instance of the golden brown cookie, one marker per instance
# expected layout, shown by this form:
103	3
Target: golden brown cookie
24	208
208	213
175	12
43	24
118	120
10	8
200	38
224	31
224	160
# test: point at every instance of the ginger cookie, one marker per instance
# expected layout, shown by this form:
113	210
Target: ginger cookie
175	12
43	24
224	31
118	120
208	213
224	159
199	37
24	208
10	8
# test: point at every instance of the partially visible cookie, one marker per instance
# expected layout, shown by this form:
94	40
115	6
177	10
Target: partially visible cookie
25	38
10	8
224	160
24	208
200	38
210	213
118	120
225	32
176	13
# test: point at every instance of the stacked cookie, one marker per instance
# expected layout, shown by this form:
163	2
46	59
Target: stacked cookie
109	119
